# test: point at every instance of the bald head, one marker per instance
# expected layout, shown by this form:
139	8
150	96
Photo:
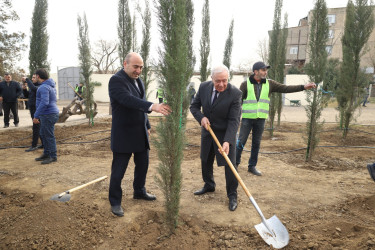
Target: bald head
133	65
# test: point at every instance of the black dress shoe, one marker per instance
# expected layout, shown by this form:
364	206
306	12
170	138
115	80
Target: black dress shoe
6	126
117	210
232	204
204	190
254	171
145	196
42	157
31	149
49	160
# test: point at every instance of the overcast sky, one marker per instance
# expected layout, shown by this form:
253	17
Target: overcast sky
252	20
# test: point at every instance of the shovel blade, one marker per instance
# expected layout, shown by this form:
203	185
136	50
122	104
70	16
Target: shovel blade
62	198
273	232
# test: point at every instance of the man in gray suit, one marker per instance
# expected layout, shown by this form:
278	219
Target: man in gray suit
221	103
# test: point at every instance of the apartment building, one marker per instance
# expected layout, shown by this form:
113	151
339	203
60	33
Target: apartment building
298	39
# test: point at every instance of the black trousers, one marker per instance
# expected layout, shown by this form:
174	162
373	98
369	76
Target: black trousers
36	128
119	165
208	175
8	106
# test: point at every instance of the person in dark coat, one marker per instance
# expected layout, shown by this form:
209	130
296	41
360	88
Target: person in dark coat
130	130
9	92
221	103
33	87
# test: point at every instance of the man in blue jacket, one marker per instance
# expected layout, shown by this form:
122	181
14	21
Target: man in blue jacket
33	87
47	115
130	130
9	92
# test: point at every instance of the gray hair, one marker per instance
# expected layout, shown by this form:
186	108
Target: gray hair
219	69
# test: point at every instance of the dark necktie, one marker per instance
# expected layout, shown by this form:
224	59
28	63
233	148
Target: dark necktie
215	97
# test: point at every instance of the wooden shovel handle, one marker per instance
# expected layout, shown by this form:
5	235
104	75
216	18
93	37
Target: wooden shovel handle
84	185
238	177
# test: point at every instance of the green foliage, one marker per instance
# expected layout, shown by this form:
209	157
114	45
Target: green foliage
96	83
294	71
331	76
85	65
11	43
205	42
316	69
228	48
359	24
175	72
38	54
124	30
277	58
145	46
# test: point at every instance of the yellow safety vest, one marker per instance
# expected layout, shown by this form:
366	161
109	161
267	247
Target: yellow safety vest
253	109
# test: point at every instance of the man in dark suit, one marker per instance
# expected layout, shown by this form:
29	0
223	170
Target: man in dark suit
130	130
221	103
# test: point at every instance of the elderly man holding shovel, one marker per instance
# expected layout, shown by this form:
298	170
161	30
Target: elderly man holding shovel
221	103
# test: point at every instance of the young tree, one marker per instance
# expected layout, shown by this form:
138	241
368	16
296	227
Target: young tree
85	64
145	46
359	24
134	34
228	48
277	57
205	41
316	69
124	30
262	50
281	65
39	37
104	57
175	65
11	43
189	11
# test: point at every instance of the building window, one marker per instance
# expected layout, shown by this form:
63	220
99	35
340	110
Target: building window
331	34
293	50
331	19
329	49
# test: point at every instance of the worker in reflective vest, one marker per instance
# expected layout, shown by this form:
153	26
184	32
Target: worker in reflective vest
256	92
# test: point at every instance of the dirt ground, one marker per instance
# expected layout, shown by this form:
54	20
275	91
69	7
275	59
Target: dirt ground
328	203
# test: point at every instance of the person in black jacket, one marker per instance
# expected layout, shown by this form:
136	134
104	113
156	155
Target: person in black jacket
130	130
218	104
9	92
31	93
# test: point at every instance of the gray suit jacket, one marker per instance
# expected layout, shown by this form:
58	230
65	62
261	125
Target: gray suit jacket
224	116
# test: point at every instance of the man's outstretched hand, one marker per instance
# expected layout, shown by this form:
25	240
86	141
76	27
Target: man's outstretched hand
161	108
310	85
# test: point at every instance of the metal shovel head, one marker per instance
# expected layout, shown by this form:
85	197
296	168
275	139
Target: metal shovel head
273	232
62	198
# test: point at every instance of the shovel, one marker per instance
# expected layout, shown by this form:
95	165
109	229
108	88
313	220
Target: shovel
271	230
65	196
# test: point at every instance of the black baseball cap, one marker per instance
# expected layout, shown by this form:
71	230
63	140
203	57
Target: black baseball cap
260	65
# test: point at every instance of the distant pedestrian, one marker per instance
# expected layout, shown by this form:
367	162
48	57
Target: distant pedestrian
9	92
365	96
80	91
47	114
160	94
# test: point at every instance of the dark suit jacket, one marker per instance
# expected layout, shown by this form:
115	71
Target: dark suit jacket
224	116
129	119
